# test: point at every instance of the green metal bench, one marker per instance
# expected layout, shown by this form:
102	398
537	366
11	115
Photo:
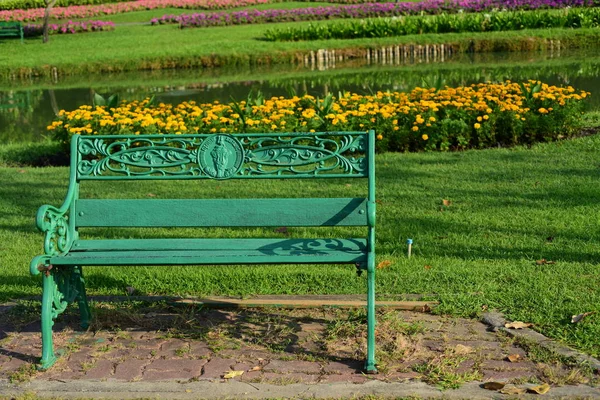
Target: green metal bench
11	29
192	157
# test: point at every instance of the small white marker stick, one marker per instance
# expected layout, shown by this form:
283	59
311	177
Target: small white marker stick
409	242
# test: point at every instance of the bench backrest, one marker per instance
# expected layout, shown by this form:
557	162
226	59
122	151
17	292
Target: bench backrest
220	156
10	28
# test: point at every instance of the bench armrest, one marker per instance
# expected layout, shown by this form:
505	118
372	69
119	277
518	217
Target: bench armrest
54	222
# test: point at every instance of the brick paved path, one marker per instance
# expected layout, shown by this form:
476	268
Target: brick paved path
269	346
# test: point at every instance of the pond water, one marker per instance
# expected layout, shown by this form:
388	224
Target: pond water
26	107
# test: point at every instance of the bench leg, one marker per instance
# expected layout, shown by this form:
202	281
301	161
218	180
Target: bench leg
84	308
370	367
62	285
48	315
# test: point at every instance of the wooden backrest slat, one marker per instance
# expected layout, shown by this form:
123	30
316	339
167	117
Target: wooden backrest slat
220	212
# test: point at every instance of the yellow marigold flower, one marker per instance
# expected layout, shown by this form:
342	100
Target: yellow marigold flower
431	119
542	110
379	137
477	126
486	117
489	110
415	128
424	137
479	119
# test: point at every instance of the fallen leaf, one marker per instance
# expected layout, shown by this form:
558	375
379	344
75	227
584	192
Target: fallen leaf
484	307
447	203
517	325
384	264
151	195
256	368
577	318
462	349
232	374
283	230
130	290
348	185
188	390
513	358
513	390
260	359
540	389
493	385
427	267
21	171
425	308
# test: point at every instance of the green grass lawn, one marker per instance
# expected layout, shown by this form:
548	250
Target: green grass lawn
509	209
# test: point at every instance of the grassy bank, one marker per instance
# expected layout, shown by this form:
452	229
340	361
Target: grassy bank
143	47
464	67
507	210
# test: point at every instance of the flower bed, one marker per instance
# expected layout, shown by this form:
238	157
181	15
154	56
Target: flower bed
476	116
68	27
442	23
362	11
73	12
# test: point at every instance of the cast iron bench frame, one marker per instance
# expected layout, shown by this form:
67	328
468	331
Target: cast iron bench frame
11	28
201	156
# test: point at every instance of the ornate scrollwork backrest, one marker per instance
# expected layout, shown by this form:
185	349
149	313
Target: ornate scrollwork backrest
220	156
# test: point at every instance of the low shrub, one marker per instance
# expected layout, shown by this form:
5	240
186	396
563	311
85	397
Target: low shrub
443	23
476	116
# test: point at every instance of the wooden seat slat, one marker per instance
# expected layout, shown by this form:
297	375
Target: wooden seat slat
242	244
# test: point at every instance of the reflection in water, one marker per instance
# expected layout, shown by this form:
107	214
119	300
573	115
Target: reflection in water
24	114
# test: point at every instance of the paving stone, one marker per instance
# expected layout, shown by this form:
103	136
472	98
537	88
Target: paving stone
281	366
171	348
199	350
14	364
434	345
80	357
242	367
216	367
465	367
489	374
507	365
177	365
142	354
336	367
252	376
102	369
130	369
475	344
